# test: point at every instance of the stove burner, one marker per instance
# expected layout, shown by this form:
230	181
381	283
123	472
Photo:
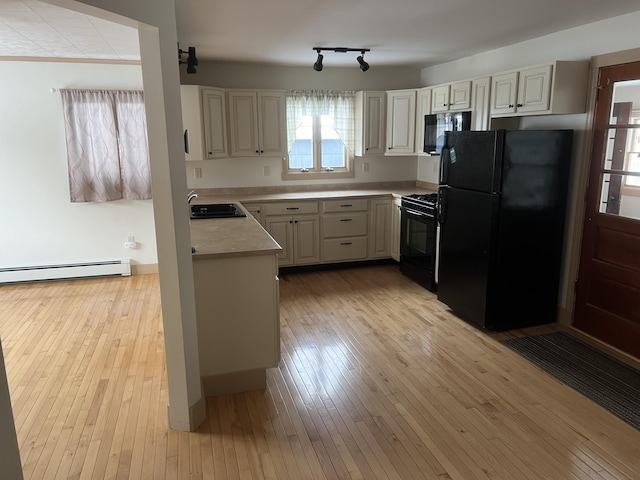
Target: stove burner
429	198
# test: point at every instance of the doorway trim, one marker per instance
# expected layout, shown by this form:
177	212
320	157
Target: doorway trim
565	316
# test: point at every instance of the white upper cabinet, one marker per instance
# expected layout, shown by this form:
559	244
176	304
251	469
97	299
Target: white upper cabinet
204	121
558	88
401	122
423	107
370	123
451	97
257	123
480	88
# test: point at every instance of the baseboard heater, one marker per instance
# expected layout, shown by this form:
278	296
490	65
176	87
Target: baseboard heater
69	270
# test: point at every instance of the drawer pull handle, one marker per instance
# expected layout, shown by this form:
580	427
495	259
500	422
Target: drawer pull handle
293	208
346	219
346	206
346	243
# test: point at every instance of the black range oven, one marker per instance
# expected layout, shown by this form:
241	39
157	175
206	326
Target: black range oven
418	238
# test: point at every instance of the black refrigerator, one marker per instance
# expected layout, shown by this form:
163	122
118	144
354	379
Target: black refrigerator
501	210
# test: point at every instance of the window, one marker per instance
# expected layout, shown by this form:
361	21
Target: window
107	150
320	131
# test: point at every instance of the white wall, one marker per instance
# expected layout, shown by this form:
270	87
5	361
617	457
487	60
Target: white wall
40	225
249	172
580	43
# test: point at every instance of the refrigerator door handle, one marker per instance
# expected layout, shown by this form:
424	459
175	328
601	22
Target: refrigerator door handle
442	205
444	165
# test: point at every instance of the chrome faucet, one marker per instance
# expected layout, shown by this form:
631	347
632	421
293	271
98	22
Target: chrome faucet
191	195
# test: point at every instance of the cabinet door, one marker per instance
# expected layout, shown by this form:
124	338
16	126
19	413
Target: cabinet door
460	96
374	122
255	209
401	118
423	107
272	138
380	232
440	99
243	124
281	229
534	89
306	240
503	93
192	122
480	104
395	229
215	127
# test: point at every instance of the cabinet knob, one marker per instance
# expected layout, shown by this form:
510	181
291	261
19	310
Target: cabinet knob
261	151
511	105
257	151
519	105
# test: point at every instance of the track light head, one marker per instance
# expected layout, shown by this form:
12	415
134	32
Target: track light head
364	66
192	61
318	65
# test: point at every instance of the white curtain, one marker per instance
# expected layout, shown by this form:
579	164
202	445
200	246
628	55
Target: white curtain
341	106
107	147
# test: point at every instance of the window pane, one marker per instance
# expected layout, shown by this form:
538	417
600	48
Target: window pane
301	154
333	151
620	195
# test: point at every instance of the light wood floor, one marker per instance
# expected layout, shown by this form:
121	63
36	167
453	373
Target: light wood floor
377	380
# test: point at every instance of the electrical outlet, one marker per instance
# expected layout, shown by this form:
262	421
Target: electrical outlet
197	172
266	170
365	167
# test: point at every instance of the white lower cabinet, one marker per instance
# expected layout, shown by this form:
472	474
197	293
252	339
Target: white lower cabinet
344	230
237	339
295	226
395	228
380	229
255	209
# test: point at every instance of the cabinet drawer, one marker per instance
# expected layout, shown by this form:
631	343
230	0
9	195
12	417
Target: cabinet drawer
344	225
348	205
290	208
345	249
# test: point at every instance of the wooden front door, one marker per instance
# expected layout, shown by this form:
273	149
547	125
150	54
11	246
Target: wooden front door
608	288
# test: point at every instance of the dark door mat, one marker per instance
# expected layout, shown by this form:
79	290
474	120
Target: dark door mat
603	379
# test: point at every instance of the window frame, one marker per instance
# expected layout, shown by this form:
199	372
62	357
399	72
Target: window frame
627	189
317	171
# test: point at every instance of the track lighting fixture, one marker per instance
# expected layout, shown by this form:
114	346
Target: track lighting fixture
318	65
364	66
192	61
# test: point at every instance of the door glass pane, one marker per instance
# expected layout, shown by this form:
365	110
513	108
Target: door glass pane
620	193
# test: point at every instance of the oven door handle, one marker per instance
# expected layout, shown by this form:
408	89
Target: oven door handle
415	213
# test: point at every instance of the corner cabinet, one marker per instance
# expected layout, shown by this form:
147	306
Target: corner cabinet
370	123
257	123
558	88
204	121
480	100
401	122
396	225
423	107
296	228
380	228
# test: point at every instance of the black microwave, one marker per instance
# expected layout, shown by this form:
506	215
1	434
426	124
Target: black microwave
436	124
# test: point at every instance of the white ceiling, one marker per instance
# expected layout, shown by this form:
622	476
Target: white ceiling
401	32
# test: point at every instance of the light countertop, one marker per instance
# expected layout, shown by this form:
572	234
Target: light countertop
244	236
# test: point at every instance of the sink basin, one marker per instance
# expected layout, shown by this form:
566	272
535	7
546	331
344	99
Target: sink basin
217	210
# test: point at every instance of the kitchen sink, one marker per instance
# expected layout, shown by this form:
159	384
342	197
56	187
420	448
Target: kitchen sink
217	210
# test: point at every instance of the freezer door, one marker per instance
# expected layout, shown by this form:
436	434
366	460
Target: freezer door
466	220
472	160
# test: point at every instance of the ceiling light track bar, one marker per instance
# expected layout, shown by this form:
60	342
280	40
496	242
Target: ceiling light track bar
341	49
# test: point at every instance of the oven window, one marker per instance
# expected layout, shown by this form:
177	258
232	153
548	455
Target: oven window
417	236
